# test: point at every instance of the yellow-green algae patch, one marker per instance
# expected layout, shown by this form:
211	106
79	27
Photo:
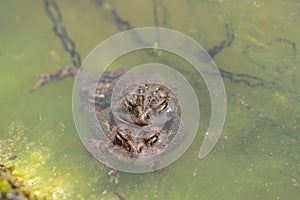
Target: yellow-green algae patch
24	163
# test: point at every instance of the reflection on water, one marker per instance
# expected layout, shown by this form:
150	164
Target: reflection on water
257	155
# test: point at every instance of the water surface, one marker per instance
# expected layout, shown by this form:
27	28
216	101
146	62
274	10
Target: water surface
257	156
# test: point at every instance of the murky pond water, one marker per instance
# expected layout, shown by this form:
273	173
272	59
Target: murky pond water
258	154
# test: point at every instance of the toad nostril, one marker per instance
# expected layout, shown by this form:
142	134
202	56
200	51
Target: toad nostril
145	117
140	148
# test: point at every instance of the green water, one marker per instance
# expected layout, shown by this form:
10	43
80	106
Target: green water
258	154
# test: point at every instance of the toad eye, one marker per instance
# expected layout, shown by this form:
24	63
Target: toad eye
118	140
128	105
151	141
163	106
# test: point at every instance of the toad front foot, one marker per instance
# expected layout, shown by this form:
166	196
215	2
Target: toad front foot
94	147
59	74
113	173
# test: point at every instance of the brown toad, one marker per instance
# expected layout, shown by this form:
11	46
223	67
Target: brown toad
144	124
